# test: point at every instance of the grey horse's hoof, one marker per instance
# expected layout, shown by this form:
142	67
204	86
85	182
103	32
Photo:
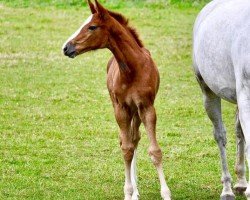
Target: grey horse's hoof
240	190
227	197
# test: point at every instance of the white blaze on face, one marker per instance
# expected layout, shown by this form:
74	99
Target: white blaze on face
78	31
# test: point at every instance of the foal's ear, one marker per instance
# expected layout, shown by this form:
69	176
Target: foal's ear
103	13
92	7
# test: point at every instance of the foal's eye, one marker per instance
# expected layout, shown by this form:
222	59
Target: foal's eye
92	28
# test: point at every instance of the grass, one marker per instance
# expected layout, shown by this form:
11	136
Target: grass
110	3
58	136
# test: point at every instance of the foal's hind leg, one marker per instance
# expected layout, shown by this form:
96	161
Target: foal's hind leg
148	117
212	105
240	168
135	124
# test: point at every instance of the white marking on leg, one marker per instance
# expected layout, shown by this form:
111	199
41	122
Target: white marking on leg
78	31
165	192
135	195
128	188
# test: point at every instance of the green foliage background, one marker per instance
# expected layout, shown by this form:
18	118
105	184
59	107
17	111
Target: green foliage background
110	3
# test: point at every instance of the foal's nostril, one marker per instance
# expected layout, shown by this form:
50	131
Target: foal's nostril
69	50
65	48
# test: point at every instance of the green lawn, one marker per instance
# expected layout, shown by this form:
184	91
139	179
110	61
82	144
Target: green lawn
58	135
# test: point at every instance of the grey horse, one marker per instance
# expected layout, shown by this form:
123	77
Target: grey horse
221	61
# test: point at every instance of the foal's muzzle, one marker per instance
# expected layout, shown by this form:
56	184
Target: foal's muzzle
69	50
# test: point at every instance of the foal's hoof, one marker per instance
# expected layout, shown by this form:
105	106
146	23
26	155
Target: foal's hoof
127	197
166	195
135	195
247	194
166	198
227	197
135	198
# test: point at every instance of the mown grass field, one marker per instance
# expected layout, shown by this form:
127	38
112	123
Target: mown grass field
58	135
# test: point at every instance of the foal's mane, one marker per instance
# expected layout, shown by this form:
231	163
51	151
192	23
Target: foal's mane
125	22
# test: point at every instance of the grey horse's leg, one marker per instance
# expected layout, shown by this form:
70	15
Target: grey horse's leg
212	105
243	100
240	167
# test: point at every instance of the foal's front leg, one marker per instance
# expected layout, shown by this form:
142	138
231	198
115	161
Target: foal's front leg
148	117
123	118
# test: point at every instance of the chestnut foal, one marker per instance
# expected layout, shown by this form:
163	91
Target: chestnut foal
132	80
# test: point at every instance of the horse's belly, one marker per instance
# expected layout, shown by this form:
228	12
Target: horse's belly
215	66
222	84
218	74
213	62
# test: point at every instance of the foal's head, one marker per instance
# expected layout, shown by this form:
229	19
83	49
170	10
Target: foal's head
93	34
95	31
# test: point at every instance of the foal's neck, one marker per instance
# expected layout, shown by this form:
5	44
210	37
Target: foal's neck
126	50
